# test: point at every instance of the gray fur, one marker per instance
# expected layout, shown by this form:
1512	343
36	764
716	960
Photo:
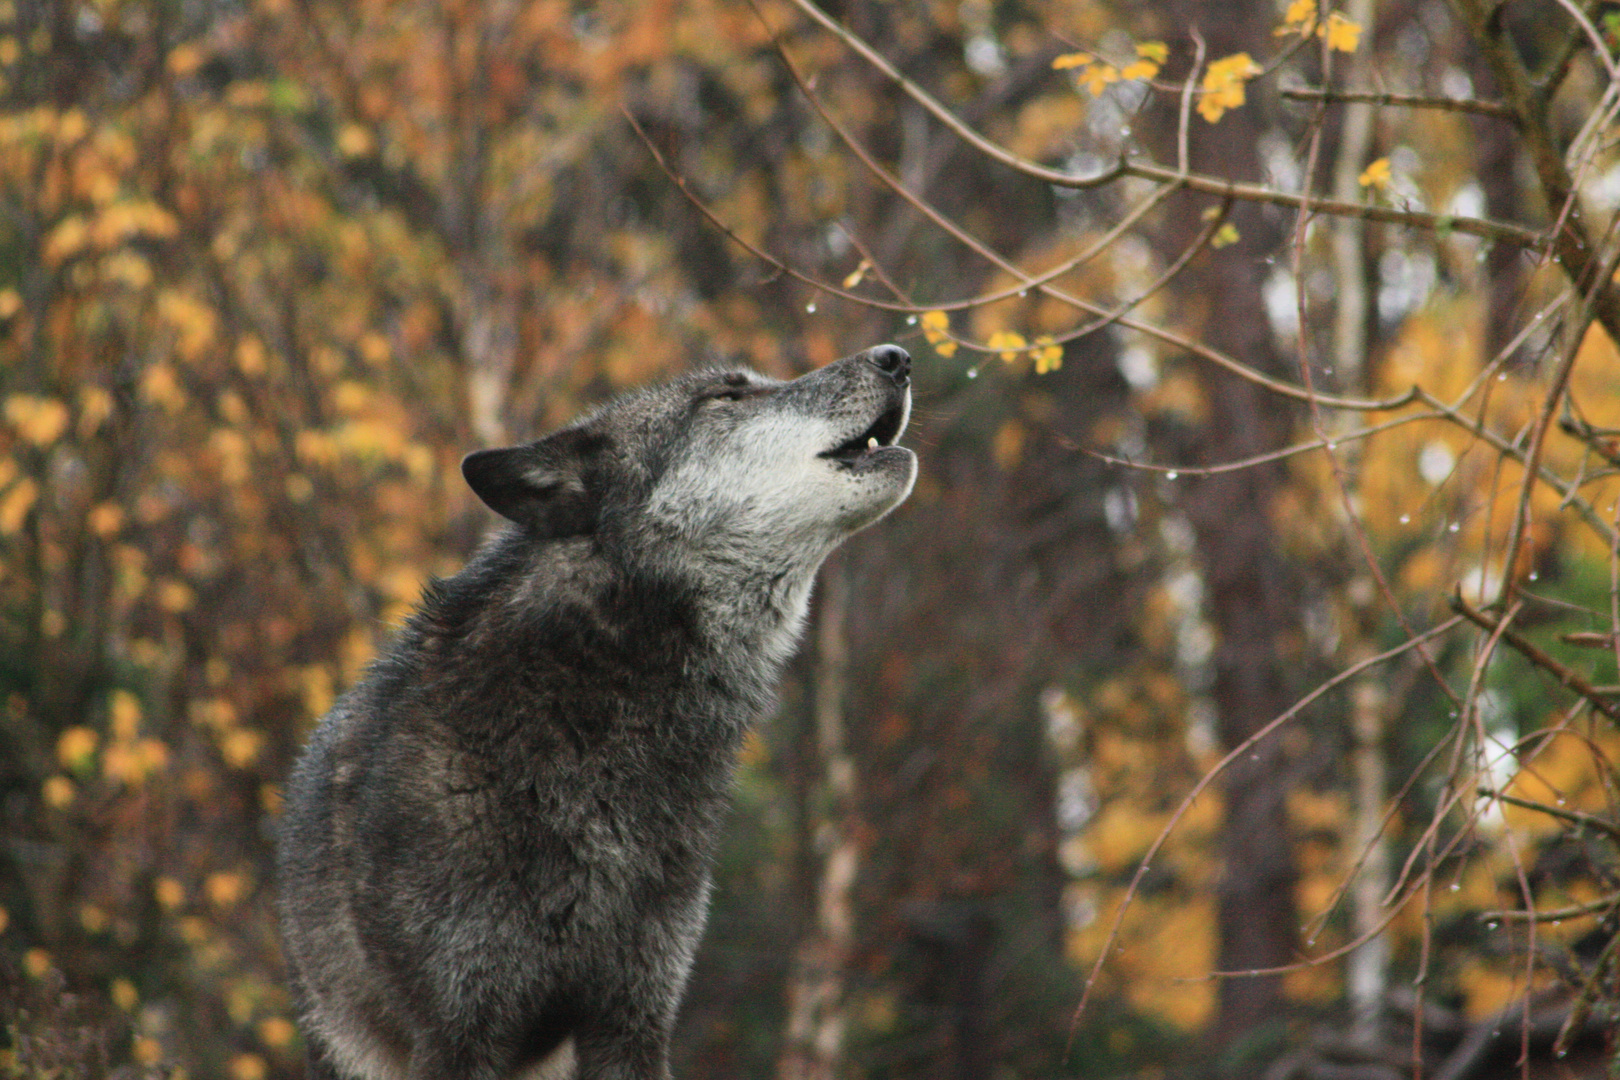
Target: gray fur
496	852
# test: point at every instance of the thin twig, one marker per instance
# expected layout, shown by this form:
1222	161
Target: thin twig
1555	391
1574	817
1168	337
1212	185
1582	1007
1408	101
1269	456
1214	773
1533	653
1600	48
1506	447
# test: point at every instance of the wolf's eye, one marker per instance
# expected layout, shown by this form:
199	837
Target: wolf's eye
725	393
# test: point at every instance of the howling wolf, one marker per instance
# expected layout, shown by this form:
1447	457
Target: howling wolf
496	852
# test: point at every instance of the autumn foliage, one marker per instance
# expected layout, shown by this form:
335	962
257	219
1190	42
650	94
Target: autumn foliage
1269	413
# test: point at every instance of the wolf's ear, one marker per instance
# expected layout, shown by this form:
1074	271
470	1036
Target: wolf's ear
542	486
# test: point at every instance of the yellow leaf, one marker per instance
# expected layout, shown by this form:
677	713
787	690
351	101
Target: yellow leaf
124	995
374	348
37	962
76	748
175	597
1048	354
1008	344
1097	77
1071	60
125	267
120	763
151	755
858	274
16	503
248	1067
1237	66
355	141
276	1032
193	321
240	747
1300	17
71	126
10	303
1142	69
170	893
217	713
58	791
95	405
93	918
146	1050
1156	51
250	356
1224	236
39	420
1223	85
226	888
185	59
351	397
1340	33
161	386
123	220
936	327
1376	175
66	239
124	714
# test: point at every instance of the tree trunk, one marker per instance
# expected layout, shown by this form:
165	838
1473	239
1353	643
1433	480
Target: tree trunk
816	1021
1252	600
1367	970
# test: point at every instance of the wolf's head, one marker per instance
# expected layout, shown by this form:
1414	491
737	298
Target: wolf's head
726	465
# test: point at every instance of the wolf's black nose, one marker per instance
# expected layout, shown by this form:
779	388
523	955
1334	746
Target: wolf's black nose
892	360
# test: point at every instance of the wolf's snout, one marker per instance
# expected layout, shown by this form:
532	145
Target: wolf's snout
892	360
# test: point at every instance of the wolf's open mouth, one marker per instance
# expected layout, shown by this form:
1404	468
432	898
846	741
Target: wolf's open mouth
884	430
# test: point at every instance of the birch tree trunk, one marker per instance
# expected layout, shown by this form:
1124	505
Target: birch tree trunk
816	1016
1367	971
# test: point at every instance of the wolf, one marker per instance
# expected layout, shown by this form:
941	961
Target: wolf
495	852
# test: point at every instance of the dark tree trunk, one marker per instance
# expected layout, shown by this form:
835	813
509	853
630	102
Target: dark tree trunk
1251	600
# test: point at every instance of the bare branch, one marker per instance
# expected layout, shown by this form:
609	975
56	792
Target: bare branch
1570	242
1600	48
1387	215
1574	817
1319	443
1532	652
1212	185
1219	767
1508	449
1406	101
1604	442
1601	906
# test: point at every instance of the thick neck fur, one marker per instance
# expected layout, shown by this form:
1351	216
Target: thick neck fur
556	627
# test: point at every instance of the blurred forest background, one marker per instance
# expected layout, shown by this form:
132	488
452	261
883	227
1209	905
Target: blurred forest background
1236	693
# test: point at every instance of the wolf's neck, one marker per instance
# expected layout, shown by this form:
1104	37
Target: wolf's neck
756	613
